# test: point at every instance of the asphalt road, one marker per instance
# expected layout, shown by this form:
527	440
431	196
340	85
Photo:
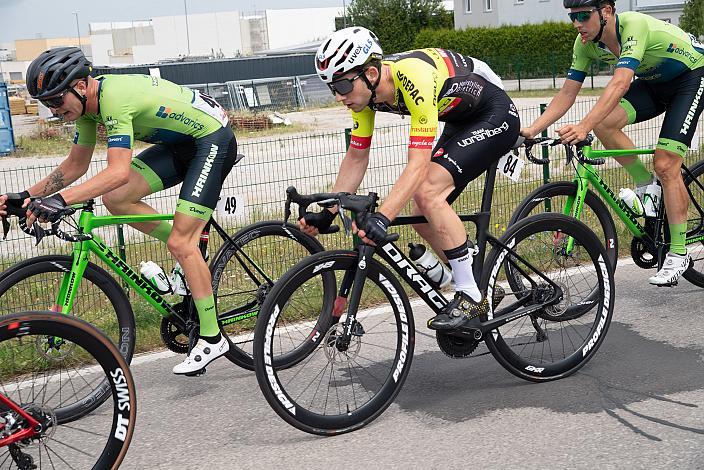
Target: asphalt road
638	404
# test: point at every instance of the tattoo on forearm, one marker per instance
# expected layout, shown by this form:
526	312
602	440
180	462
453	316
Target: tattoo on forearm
55	181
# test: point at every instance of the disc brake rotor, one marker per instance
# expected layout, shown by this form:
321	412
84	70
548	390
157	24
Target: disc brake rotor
53	348
330	345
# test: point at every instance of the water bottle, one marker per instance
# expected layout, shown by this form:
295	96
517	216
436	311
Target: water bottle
632	200
429	265
153	273
651	199
178	280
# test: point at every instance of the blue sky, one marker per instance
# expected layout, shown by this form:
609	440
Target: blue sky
24	19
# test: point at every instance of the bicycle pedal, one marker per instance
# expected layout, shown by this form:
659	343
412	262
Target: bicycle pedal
197	373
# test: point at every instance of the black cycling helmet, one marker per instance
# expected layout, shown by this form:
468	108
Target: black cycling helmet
53	71
592	3
586	3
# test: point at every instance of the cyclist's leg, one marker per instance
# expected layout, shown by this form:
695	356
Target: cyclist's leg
637	105
465	156
214	157
684	108
154	169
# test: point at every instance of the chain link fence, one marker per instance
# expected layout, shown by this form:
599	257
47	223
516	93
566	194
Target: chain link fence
310	162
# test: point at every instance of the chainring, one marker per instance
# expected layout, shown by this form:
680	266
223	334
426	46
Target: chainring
173	338
643	254
454	346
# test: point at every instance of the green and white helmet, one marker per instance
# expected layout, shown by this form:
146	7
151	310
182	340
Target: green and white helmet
345	50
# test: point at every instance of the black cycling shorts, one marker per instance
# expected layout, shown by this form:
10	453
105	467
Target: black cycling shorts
202	165
468	149
682	101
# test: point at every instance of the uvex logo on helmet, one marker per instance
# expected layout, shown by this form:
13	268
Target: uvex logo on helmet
40	81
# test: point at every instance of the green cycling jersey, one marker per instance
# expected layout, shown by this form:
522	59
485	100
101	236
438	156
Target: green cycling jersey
655	50
149	109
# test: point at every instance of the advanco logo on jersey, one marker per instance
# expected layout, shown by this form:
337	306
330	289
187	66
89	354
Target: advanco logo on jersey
408	85
673	49
165	112
205	171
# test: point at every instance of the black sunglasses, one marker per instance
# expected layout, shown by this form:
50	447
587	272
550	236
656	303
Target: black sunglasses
58	100
344	85
581	16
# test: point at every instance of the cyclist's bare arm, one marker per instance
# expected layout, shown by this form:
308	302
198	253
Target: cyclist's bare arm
557	108
115	175
66	173
413	174
615	90
352	169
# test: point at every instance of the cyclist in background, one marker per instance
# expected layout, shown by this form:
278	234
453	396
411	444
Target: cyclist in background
481	125
669	68
193	144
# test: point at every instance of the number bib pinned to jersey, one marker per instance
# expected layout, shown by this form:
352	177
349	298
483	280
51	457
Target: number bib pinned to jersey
511	166
209	106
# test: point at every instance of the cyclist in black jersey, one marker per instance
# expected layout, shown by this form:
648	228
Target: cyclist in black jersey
193	144
430	85
668	67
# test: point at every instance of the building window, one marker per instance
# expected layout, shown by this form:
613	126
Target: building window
519	2
487	6
16	76
468	6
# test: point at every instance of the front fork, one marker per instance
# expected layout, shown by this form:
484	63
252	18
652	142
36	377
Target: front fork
71	279
574	206
357	278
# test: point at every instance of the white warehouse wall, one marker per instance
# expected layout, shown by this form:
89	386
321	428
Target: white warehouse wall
291	27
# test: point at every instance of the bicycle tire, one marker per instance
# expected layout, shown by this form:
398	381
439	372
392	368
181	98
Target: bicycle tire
30	280
588	261
285	245
111	445
556	191
391	323
695	223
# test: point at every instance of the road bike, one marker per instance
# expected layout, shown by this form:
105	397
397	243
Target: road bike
651	237
49	365
550	311
243	271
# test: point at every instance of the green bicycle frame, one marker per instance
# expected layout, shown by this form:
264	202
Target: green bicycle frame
81	250
586	174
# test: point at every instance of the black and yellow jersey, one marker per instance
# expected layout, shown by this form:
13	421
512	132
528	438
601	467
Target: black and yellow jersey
431	85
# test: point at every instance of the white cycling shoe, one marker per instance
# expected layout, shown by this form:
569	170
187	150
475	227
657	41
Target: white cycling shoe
671	270
202	354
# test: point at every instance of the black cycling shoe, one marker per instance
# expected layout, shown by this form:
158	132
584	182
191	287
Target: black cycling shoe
458	314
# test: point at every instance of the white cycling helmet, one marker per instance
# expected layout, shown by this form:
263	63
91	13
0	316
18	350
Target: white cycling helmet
345	50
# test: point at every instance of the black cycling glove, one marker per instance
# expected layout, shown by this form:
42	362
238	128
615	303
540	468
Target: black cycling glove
320	220
48	208
376	226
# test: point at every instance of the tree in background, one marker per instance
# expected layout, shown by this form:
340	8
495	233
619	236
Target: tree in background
692	19
397	22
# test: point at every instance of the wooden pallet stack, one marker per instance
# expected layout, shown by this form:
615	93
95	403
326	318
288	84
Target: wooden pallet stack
17	106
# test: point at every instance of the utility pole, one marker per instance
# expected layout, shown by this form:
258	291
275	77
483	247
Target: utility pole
188	38
78	29
344	14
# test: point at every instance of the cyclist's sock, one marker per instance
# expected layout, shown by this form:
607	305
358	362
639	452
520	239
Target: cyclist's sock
162	231
208	317
212	339
460	260
640	174
678	237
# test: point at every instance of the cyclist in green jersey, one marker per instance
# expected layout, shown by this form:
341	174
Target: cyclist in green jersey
668	66
193	144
